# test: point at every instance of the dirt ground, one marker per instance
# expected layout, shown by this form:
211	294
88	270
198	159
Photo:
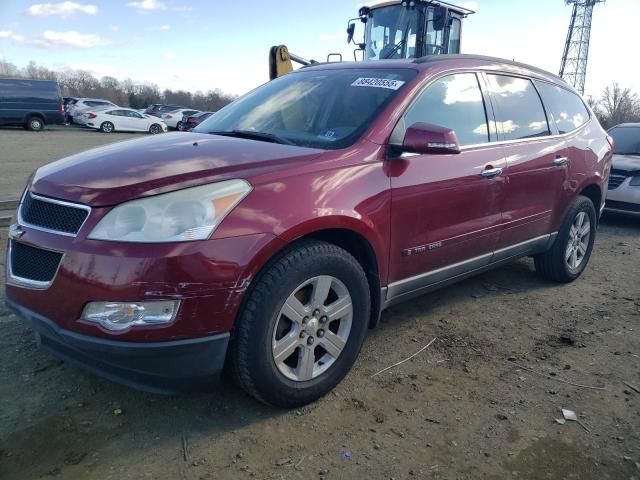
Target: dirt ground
480	403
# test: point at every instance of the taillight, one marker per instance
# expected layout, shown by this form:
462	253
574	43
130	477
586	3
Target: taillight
611	141
62	107
168	116
92	116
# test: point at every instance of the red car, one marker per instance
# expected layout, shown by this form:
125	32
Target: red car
272	238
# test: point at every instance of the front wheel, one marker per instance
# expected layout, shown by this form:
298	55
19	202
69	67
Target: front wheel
570	253
155	129
302	326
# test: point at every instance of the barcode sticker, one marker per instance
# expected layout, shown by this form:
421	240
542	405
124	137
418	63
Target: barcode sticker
378	83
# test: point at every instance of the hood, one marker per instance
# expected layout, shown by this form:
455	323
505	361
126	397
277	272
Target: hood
628	163
157	164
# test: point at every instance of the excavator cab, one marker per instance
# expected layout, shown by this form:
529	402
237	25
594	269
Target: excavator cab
409	29
392	29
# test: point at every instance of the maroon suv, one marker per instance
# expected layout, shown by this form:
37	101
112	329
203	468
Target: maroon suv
270	239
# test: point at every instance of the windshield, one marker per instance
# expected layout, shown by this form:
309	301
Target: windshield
328	109
392	33
627	140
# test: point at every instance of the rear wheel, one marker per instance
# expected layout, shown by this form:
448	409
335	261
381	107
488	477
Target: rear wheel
35	124
302	326
155	129
570	253
107	127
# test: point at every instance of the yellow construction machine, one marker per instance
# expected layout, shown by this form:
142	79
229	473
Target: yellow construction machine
392	29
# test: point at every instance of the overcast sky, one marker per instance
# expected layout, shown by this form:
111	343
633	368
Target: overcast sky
201	45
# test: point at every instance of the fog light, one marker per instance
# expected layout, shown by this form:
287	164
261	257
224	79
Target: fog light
121	316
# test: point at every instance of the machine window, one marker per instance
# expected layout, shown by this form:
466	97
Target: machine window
519	111
566	108
455	102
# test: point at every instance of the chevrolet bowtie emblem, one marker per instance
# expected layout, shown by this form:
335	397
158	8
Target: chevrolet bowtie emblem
15	231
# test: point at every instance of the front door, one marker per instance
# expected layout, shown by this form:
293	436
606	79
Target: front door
446	209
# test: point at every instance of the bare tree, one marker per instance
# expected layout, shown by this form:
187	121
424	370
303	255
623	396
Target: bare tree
617	105
8	70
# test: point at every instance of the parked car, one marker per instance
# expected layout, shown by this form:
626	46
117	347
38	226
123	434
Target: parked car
624	182
293	220
173	119
158	109
30	103
83	104
82	117
124	120
192	121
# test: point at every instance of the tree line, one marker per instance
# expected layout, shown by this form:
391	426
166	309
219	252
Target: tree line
126	93
615	104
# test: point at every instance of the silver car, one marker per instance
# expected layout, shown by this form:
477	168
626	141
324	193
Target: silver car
624	182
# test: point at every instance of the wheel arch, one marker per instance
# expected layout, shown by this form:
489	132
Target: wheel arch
593	192
39	115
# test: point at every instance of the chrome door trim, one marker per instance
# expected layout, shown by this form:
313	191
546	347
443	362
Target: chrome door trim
424	282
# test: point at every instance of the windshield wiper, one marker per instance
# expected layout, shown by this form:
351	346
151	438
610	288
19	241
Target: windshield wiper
250	134
398	45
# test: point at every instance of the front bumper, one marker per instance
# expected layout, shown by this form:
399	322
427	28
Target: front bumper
158	367
624	199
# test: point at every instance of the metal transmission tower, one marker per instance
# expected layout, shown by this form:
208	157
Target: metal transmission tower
576	51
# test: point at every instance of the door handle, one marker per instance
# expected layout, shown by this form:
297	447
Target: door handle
558	162
491	172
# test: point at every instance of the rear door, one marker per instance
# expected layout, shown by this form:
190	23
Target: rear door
444	210
536	169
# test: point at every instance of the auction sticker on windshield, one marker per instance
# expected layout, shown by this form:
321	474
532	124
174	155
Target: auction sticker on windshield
378	83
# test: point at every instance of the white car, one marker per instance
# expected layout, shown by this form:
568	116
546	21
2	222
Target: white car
83	104
173	119
124	120
81	117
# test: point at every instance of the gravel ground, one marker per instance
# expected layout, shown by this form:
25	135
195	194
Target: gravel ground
480	402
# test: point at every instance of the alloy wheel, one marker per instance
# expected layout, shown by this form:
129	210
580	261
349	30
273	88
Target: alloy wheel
312	328
578	243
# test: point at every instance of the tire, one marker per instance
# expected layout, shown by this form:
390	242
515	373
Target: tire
155	129
570	253
107	127
179	126
262	327
35	124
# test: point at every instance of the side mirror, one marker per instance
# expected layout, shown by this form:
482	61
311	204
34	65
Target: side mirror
427	138
350	32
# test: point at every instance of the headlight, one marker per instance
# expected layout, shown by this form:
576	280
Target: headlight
185	215
635	181
121	316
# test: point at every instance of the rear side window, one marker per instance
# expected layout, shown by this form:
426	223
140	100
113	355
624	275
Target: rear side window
455	102
519	111
565	108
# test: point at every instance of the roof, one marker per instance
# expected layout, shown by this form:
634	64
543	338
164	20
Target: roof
451	6
628	124
448	62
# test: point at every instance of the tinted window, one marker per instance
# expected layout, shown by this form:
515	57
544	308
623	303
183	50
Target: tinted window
565	107
454	102
519	111
328	109
627	139
133	114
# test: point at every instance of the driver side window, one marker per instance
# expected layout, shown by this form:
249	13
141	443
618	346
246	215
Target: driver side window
455	102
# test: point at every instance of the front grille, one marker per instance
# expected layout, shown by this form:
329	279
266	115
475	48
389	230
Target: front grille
52	214
629	207
615	180
34	264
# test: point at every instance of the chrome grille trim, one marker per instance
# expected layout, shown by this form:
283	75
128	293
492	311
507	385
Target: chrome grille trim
23	222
